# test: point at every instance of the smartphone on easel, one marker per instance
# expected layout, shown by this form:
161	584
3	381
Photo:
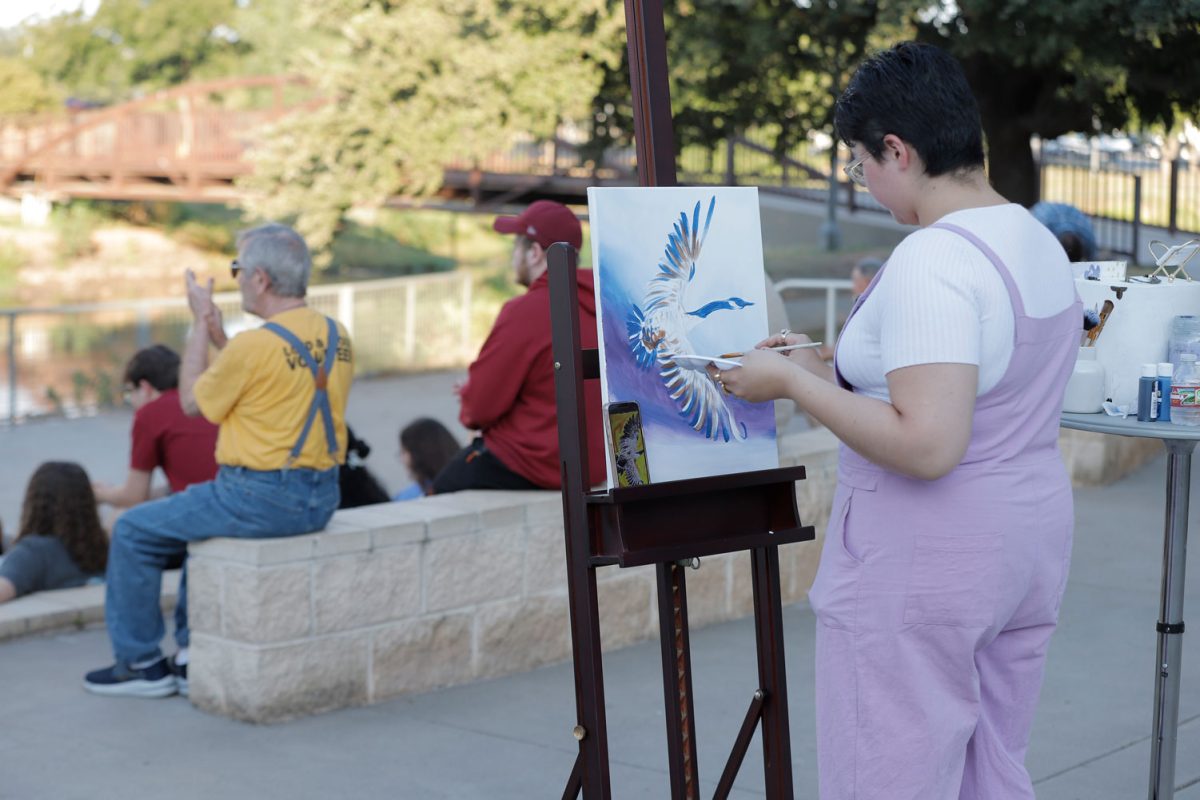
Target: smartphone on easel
627	443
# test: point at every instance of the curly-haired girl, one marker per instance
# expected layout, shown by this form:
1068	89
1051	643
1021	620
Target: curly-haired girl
61	542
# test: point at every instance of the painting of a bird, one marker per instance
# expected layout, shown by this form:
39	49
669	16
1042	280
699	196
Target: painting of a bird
658	329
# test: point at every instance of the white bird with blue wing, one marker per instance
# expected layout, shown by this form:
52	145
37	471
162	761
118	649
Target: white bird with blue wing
658	330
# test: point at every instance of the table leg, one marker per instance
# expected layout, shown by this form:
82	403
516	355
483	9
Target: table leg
1170	621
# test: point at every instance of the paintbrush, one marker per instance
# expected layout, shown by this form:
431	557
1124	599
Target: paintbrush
1094	333
780	349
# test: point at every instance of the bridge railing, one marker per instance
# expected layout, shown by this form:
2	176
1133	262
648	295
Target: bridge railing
70	359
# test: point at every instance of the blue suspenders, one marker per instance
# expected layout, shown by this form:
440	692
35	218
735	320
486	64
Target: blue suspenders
321	377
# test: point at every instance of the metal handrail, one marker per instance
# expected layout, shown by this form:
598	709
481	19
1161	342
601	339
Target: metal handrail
395	341
831	286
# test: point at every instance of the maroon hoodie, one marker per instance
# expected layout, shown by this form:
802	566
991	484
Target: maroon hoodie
509	394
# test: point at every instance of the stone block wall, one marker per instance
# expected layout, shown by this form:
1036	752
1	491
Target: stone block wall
409	597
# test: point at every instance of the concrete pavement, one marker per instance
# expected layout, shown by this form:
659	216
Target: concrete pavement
510	738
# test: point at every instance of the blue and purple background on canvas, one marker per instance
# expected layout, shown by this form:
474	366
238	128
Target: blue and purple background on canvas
630	229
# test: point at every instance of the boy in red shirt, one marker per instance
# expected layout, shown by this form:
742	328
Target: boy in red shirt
163	436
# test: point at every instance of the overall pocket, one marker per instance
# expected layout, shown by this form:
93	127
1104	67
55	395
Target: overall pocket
859	487
954	580
834	593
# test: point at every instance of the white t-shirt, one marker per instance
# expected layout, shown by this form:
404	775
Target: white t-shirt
940	300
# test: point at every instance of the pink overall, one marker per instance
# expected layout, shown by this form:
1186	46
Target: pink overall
936	600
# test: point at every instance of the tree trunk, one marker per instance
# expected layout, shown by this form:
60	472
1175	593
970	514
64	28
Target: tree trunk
1011	167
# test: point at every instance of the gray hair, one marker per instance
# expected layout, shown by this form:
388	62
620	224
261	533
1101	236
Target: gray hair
281	253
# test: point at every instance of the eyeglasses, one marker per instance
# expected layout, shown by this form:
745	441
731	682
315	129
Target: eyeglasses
127	394
234	268
854	170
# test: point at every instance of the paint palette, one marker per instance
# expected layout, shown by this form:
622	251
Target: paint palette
698	363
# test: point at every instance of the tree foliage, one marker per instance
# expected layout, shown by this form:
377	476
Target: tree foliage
25	90
772	64
417	84
1045	67
135	45
1057	66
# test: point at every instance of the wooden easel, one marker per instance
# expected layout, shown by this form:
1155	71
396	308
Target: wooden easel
665	524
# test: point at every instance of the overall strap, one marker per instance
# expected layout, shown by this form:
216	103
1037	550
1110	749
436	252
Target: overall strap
862	298
320	375
1010	283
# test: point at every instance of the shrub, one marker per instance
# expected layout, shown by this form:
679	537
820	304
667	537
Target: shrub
74	225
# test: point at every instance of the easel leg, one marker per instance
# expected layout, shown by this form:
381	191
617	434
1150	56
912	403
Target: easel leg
591	767
772	675
677	682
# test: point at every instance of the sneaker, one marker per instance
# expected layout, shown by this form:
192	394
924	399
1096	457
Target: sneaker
118	680
180	673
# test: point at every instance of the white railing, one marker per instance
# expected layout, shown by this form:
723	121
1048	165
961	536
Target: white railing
831	287
71	358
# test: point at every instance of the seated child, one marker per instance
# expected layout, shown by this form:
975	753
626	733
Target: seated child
426	446
60	543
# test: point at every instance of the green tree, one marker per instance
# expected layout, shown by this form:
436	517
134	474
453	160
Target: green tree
775	66
132	45
416	84
1057	66
1046	67
25	90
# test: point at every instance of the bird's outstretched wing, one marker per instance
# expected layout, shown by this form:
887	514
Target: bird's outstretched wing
700	401
665	291
678	264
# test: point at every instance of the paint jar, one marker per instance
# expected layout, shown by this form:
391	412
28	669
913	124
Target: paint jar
1184	337
1085	388
1148	394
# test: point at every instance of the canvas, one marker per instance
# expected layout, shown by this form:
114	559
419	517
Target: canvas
680	271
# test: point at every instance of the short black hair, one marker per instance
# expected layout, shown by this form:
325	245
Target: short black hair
157	365
917	92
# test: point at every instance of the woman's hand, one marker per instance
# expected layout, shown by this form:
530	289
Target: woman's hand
809	358
764	375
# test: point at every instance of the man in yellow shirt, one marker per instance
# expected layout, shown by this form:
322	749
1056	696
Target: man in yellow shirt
279	395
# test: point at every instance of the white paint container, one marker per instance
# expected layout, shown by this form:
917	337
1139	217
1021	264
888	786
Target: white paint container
1085	389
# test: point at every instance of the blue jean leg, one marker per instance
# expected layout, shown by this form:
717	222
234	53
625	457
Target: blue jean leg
240	503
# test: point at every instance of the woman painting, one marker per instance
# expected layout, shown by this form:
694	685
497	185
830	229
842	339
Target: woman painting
947	551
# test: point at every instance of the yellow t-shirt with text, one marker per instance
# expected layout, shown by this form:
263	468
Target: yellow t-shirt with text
259	390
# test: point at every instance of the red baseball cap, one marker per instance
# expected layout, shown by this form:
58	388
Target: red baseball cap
544	222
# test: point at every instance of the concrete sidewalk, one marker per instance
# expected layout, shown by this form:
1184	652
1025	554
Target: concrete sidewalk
510	738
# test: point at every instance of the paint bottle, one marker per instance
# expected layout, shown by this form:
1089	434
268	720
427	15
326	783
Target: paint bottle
1147	409
1165	370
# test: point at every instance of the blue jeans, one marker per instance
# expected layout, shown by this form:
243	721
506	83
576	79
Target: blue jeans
241	503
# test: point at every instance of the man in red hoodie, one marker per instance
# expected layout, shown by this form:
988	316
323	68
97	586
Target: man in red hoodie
509	393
